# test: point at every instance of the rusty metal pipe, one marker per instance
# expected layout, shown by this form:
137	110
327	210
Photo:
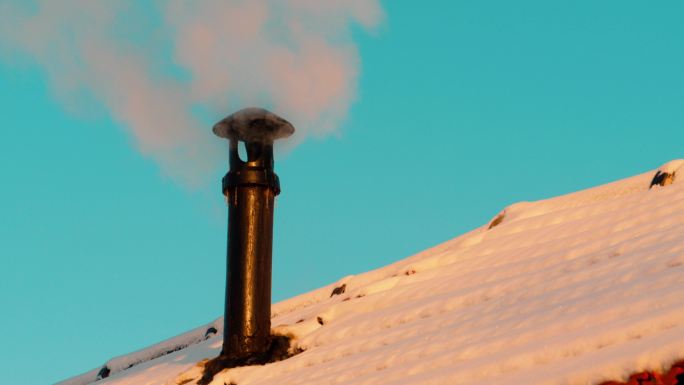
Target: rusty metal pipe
250	187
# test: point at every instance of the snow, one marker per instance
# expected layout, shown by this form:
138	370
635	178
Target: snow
163	348
576	289
672	166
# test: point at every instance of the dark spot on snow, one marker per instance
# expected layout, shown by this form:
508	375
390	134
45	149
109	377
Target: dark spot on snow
499	218
103	373
300	321
346	299
680	379
210	332
410	272
183	382
177	348
320	320
339	290
662	179
673	376
360	295
278	350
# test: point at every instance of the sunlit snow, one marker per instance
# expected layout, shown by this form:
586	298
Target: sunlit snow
571	290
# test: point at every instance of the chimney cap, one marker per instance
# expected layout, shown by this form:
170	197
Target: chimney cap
253	125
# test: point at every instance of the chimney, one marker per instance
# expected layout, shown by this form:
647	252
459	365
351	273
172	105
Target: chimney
250	188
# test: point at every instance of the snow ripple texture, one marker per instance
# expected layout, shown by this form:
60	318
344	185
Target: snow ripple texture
576	289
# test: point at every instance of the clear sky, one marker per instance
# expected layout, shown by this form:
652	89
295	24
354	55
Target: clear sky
461	108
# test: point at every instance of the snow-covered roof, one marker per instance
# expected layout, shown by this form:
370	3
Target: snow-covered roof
576	289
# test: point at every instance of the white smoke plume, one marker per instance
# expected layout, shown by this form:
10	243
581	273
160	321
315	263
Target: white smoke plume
165	69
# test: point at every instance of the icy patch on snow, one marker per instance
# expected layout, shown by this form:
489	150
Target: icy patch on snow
576	289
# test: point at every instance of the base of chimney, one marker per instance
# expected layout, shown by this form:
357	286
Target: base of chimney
278	349
246	346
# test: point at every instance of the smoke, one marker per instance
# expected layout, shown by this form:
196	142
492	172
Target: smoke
168	69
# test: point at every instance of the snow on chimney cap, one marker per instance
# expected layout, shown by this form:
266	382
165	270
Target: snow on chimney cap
253	125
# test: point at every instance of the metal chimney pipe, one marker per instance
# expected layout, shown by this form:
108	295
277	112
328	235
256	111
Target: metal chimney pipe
250	187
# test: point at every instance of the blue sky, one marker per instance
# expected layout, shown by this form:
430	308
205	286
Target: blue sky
462	108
